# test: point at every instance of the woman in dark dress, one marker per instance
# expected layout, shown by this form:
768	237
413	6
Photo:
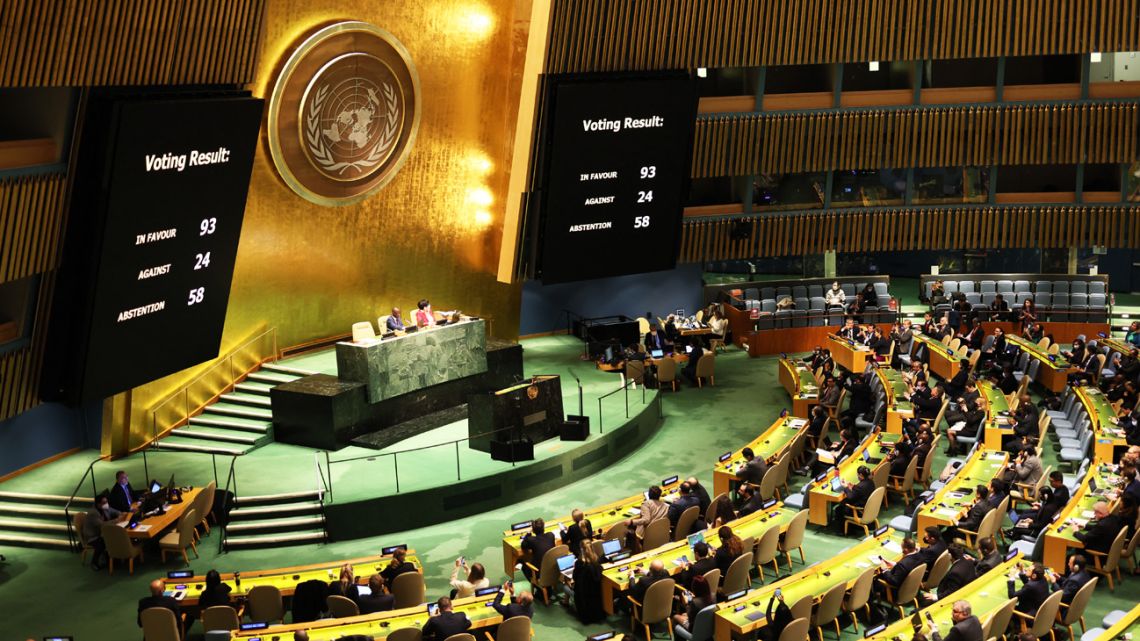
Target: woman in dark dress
588	586
216	592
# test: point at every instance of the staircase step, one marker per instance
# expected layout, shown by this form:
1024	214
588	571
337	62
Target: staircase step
24	540
277	498
21	525
214	434
274	524
242	398
271	377
244	512
241	411
254	387
295	372
31	510
42	498
231	422
285	538
197	445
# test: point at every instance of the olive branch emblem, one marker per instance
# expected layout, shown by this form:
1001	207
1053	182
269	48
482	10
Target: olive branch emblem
323	155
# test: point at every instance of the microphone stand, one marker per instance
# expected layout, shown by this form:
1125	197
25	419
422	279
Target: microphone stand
581	405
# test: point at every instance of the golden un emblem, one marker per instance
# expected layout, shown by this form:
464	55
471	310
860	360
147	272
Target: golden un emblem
344	113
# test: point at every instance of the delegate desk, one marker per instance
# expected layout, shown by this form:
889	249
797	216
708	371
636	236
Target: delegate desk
821	496
600	518
1054	369
1073	518
1106	435
986	594
899	407
284	579
953	500
618	576
999	423
771	444
800	383
741	617
153	527
1126	628
402	364
1115	346
378	626
849	355
943	361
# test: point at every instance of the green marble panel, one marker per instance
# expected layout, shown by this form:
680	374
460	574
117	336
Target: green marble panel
401	365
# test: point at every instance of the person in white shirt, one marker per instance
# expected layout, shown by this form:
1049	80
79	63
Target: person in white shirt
476	579
718	324
835	297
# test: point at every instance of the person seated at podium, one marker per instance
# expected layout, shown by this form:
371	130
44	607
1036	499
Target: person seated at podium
655	341
122	495
424	316
395	323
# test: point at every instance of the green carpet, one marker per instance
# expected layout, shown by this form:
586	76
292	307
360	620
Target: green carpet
700	424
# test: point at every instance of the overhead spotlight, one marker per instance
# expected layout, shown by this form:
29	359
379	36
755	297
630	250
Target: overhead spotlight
702	72
873	65
1094	56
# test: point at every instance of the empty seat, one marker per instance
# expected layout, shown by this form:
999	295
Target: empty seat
783	319
818	302
1043	286
1020	286
751	304
950	286
768	305
871	314
1060	298
752	293
1098	301
800	318
973	298
767	292
1079	287
1005	286
1096	287
966	286
881	291
988	297
1060	287
783	291
1021	297
799	291
815	290
801	303
1043	299
1078	299
989	286
927	287
848	288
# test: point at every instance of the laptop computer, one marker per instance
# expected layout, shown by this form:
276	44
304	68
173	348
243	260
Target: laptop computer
657	353
155	486
611	547
873	460
836	484
696	538
566	565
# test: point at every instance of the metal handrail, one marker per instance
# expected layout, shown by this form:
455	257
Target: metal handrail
228	360
72	536
224	521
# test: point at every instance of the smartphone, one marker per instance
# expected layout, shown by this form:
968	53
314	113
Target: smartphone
462	560
930	618
779	593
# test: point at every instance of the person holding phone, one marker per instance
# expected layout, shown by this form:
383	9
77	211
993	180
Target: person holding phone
967	627
777	620
444	623
701	597
521	605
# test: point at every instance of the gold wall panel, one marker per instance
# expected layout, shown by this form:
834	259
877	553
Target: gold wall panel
127	42
604	35
31	225
927	229
746	144
433	232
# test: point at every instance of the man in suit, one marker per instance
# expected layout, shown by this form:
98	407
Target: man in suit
1052	499
753	469
446	623
536	545
1025	469
656	573
122	495
377	600
1099	534
1072	581
962	571
861	397
967	627
520	606
1034	590
927	402
1026	426
654	340
703	564
397	566
850	331
903	336
683	502
935	546
977	511
651	509
99	514
157	600
854	495
750	500
991	556
999	309
395	322
896	571
580	530
1126	421
700	492
1086	368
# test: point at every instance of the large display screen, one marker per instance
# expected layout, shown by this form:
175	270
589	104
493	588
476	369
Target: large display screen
616	173
171	198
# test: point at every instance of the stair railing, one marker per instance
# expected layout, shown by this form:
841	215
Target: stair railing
224	521
221	377
72	535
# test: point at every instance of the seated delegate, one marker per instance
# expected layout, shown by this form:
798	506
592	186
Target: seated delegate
395	323
424	315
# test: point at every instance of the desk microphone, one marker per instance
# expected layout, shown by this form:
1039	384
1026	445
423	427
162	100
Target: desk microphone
581	405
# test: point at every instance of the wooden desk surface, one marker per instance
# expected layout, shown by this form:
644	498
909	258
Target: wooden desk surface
156	526
1106	435
997	424
1059	534
943	361
951	501
770	443
286	579
820	492
799	381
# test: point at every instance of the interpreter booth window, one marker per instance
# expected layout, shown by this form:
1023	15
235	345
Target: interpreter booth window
868	188
727	81
1102	182
17	312
1037	179
877	75
1119	66
783	79
783	192
953	74
1132	183
1043	70
712	191
951	185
